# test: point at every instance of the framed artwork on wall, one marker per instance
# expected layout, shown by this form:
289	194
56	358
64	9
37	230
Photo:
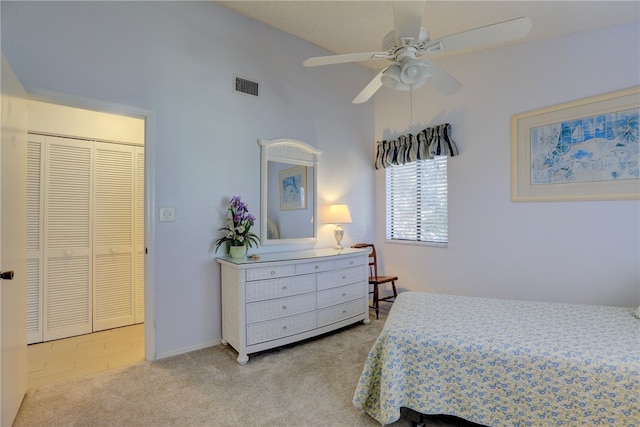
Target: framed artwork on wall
582	150
293	186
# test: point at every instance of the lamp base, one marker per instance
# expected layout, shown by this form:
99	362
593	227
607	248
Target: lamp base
338	234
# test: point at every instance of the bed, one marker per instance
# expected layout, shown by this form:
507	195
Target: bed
504	363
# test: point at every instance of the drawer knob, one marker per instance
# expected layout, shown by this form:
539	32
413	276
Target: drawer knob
344	294
344	311
284	307
284	288
350	262
284	328
344	277
316	267
273	273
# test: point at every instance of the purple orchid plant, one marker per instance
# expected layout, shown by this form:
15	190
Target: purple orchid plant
238	229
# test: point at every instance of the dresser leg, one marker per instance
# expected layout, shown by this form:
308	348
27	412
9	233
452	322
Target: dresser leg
242	359
224	342
366	321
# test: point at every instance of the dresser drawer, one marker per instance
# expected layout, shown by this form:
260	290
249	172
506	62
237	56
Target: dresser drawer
340	312
349	262
273	272
314	267
277	288
280	328
336	278
274	309
339	295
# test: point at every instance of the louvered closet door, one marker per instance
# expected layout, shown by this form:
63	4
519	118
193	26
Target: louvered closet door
67	238
113	288
35	146
139	235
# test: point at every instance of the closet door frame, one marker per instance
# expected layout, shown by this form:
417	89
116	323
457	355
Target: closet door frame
139	248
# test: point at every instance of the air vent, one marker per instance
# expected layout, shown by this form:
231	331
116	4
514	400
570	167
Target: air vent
246	86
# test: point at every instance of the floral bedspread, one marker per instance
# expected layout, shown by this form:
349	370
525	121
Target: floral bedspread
504	363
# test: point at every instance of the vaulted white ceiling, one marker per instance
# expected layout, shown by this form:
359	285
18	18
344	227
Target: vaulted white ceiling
359	26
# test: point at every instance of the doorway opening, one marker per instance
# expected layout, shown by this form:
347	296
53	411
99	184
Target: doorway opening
109	328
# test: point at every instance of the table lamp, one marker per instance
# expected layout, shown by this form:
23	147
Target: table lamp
338	214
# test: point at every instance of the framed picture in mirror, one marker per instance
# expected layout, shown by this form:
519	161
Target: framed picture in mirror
293	185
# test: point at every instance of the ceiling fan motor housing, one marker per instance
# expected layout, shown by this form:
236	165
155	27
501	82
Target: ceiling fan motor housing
392	43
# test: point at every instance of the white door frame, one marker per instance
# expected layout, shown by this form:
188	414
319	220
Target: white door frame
149	192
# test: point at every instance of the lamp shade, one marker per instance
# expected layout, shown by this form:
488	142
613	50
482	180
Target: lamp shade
338	214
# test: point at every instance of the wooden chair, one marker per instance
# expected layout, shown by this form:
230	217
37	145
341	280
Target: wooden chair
376	280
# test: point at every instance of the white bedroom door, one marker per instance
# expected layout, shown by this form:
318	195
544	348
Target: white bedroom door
13	189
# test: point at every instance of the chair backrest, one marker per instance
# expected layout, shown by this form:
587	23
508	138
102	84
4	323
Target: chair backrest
373	261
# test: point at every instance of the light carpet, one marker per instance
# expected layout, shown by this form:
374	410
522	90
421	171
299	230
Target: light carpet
306	384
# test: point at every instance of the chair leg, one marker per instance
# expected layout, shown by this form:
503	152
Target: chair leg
376	301
395	293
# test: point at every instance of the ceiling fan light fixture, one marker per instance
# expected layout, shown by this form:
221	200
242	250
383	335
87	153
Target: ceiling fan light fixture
391	78
420	83
413	71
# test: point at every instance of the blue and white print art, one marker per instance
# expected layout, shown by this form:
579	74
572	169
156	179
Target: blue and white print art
604	147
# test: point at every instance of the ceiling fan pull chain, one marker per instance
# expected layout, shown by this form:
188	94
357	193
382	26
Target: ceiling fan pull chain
411	107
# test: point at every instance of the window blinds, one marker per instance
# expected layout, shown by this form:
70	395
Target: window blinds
417	202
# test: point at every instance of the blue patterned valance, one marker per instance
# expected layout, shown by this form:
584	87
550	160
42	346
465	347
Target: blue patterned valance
433	141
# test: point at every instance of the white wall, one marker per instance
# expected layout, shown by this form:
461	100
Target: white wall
584	252
177	60
62	120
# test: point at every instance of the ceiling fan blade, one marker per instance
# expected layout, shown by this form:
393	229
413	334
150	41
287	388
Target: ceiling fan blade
491	34
370	89
441	80
407	17
347	57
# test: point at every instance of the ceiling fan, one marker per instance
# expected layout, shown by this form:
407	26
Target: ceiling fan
409	41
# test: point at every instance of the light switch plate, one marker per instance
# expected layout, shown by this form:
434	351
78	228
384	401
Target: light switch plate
167	214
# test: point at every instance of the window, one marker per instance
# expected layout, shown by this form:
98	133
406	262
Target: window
417	202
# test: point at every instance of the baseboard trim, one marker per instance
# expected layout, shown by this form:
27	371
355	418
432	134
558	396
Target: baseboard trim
184	350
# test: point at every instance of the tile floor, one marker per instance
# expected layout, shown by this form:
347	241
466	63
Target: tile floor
61	360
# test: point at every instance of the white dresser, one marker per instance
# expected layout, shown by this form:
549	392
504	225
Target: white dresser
286	297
